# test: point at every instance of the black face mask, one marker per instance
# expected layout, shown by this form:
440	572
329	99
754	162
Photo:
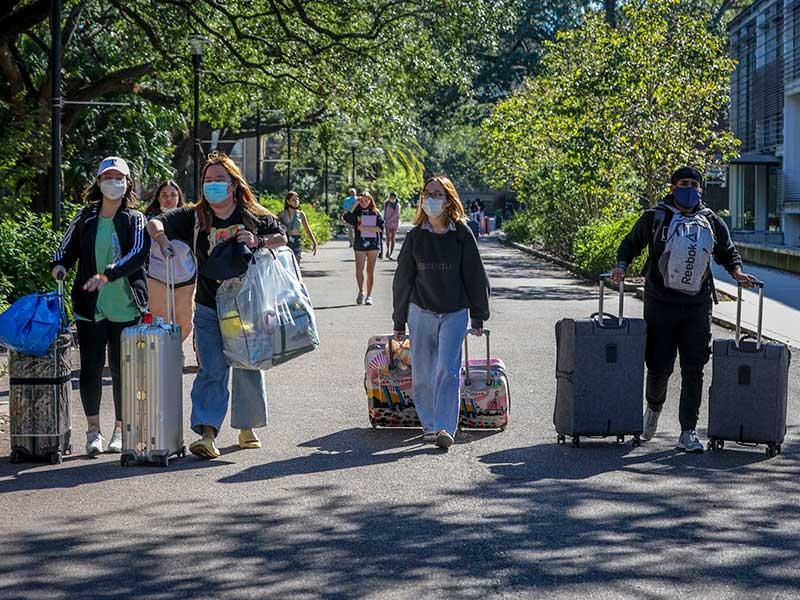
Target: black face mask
227	260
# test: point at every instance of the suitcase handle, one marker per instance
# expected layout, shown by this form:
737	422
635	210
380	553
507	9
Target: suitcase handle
739	337
600	314
467	377
172	317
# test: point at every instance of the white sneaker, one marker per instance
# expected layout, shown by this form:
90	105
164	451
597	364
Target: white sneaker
689	442
368	301
115	445
94	443
650	424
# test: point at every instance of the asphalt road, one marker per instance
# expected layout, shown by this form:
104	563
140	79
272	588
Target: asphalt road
332	508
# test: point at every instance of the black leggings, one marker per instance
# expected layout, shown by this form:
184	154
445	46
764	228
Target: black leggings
92	340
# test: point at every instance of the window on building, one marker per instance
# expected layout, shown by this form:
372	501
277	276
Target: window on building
773	207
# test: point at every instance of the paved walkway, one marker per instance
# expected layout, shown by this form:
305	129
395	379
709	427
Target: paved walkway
781	319
331	508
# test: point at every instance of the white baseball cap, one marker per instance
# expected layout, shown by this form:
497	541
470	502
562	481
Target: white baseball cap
113	162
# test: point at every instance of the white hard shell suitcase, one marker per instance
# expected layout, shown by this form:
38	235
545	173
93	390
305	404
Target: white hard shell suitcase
152	388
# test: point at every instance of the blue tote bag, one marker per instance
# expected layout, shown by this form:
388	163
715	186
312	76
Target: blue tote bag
31	324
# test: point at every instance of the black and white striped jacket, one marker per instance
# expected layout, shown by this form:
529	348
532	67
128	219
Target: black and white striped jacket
78	246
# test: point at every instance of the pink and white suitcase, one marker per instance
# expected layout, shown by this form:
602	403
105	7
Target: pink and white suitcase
485	395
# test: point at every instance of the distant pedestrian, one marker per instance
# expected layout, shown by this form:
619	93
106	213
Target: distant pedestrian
368	224
440	284
391	220
169	196
348	204
292	218
107	240
227	210
678	311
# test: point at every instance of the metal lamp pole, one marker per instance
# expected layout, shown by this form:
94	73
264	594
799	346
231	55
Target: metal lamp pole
55	124
197	42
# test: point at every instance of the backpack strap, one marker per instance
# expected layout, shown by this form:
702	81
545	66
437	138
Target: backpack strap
659	216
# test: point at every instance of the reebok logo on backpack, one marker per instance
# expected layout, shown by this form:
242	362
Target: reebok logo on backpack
689	245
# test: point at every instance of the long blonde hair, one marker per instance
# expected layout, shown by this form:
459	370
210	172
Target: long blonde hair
242	195
453	210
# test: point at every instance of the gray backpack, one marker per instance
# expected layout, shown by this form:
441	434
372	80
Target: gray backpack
688	248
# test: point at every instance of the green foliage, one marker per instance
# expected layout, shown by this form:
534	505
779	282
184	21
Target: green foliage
520	229
612	113
25	254
321	224
596	244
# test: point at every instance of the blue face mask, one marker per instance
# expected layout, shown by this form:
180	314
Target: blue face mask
687	197
215	192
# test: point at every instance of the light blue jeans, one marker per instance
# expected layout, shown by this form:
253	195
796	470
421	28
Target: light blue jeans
210	389
436	345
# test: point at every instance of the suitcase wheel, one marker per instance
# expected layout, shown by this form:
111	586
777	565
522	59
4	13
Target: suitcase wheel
15	456
562	439
68	450
56	458
773	449
576	441
637	440
373	422
163	461
123	460
620	439
182	452
715	444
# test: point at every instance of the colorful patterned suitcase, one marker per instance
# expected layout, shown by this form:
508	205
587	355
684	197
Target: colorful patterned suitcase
485	395
485	399
388	384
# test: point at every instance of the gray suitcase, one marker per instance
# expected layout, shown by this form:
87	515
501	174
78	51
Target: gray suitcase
599	375
39	400
749	388
152	388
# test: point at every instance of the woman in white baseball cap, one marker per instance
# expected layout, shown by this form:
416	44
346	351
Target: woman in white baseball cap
108	242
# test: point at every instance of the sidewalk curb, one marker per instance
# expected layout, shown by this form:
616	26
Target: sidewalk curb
638	291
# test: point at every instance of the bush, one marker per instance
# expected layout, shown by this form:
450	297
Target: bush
321	224
25	254
595	246
520	229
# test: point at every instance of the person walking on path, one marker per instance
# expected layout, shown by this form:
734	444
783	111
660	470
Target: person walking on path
227	210
107	240
367	224
440	283
391	220
678	297
292	218
348	205
167	197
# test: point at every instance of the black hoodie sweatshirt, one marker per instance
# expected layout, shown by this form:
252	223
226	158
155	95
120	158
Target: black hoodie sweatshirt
642	236
442	273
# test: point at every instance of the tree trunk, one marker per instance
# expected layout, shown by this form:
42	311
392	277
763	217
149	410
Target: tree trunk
611	12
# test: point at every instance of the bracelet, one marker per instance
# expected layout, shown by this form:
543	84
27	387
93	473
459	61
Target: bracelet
158	235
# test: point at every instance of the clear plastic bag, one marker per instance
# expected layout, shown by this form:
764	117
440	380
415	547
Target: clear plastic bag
266	317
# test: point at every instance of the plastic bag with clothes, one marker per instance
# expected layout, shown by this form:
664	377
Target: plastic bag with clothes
31	324
266	317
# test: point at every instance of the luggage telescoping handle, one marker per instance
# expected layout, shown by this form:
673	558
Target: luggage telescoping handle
739	336
467	377
171	311
603	277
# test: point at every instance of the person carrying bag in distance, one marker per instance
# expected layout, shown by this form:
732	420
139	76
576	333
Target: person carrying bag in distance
223	228
682	235
440	283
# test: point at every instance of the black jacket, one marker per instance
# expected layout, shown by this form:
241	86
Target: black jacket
442	273
642	236
78	246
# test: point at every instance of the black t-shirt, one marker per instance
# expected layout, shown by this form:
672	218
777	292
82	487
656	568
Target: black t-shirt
360	243
179	224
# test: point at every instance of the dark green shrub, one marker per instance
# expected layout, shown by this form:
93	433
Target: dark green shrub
595	246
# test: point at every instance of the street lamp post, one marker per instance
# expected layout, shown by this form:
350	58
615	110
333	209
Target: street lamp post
197	42
258	151
325	182
353	146
55	126
289	158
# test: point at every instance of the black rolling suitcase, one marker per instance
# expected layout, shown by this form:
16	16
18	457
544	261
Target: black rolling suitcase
599	375
39	401
749	388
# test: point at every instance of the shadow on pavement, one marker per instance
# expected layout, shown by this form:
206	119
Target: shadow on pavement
550	531
543	293
80	469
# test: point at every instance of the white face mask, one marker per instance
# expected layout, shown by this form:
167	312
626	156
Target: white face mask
113	189
433	207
